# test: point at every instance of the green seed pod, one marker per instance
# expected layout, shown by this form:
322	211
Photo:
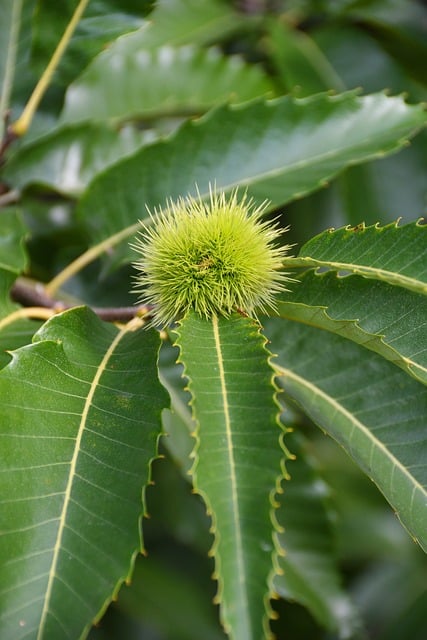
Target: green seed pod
214	257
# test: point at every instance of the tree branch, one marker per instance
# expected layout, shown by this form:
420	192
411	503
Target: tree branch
33	294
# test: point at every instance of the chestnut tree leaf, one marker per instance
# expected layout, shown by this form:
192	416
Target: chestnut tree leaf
277	150
374	410
238	460
79	426
101	23
394	254
135	83
13	260
68	157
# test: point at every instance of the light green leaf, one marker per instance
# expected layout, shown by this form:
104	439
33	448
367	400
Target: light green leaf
310	568
198	22
372	408
78	428
128	82
393	254
67	158
278	150
238	460
387	319
12	253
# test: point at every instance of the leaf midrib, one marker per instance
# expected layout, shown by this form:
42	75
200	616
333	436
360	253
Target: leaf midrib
230	450
376	342
67	496
391	277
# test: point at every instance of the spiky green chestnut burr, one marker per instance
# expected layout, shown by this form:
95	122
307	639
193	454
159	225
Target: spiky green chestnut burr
214	257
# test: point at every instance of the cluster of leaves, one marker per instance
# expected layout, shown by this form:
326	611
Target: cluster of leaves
158	100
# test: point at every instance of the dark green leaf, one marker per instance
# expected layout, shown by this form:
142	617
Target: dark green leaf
372	408
14	335
68	158
12	254
394	254
178	22
310	568
279	150
340	43
173	601
13	260
238	460
10	24
78	428
407	46
301	64
386	319
102	22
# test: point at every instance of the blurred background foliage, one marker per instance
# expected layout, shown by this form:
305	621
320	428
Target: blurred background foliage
179	59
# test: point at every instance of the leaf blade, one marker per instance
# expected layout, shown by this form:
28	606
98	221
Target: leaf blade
374	252
280	150
10	21
101	23
384	318
68	157
141	84
237	428
74	479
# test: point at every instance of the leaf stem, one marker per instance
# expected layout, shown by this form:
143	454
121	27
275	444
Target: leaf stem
33	313
22	124
87	257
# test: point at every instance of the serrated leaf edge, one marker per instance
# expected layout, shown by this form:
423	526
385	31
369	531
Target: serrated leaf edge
283	372
375	273
278	551
368	272
133	325
367	340
164	56
130	230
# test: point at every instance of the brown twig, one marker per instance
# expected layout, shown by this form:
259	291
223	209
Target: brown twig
32	294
